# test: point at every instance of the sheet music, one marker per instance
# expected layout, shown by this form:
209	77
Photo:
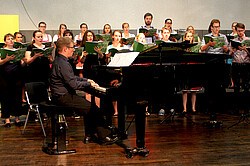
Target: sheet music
123	59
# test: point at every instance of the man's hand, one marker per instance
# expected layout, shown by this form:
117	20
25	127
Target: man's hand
92	83
146	33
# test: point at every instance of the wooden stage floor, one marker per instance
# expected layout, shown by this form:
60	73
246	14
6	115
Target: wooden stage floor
177	142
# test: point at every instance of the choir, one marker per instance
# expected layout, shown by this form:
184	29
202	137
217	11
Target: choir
35	66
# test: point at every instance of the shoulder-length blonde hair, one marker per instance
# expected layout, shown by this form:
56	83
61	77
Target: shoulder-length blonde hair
191	27
185	35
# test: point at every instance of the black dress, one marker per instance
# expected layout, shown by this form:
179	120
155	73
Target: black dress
92	60
38	70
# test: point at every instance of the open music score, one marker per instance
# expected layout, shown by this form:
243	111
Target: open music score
123	59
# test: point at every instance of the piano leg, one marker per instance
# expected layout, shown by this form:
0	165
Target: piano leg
140	116
140	132
108	109
122	107
216	93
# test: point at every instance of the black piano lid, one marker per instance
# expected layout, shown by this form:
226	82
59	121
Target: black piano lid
182	45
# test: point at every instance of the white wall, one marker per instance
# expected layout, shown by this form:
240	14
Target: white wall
98	12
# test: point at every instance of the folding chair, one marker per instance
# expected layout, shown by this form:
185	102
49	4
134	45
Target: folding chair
36	93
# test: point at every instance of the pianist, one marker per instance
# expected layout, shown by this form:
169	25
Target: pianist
64	83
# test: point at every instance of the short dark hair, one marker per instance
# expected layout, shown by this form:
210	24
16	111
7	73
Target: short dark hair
148	14
34	34
41	23
83	24
16	33
240	25
168	19
68	31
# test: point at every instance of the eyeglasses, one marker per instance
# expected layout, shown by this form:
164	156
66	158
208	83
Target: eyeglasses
216	26
168	23
43	26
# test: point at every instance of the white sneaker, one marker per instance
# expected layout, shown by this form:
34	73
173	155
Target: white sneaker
172	110
161	112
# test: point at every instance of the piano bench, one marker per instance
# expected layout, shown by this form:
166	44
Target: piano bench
58	130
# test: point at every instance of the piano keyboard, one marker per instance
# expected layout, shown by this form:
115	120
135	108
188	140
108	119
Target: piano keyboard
102	89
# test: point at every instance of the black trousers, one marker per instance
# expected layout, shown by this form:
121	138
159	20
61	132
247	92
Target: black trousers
240	75
11	94
93	117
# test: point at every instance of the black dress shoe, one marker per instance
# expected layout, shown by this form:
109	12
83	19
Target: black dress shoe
87	140
19	123
183	113
45	117
7	125
195	113
75	116
108	141
90	139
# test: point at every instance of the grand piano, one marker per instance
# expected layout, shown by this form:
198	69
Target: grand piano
157	74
